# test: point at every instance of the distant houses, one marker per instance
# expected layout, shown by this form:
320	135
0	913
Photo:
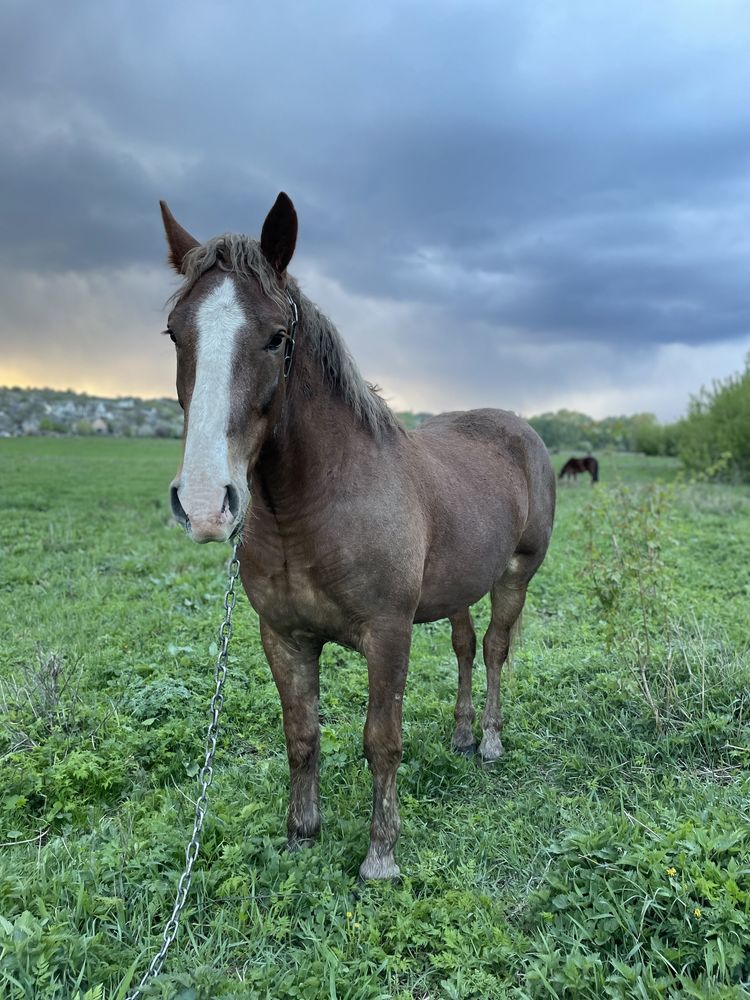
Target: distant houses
55	413
51	412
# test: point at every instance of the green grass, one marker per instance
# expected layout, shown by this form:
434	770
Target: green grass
601	858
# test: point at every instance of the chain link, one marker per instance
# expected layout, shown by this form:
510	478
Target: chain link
205	777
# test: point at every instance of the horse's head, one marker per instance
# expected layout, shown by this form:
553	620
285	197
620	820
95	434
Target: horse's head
233	329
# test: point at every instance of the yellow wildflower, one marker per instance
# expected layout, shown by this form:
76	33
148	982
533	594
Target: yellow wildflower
357	926
697	912
671	872
349	914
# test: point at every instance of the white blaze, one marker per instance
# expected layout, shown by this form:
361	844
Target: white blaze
205	466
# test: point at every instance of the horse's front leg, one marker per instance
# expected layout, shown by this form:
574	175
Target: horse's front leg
387	652
296	671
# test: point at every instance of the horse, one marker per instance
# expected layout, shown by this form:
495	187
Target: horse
352	529
573	466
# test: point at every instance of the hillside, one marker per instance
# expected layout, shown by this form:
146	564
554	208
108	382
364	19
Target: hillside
51	412
48	411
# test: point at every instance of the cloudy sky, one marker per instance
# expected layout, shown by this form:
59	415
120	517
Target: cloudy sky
529	205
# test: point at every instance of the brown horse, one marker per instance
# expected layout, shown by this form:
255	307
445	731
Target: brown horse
352	529
574	466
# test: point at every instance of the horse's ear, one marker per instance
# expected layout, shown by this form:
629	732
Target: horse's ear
179	240
279	234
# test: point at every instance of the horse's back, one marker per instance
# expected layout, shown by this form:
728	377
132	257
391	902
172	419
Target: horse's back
496	442
490	425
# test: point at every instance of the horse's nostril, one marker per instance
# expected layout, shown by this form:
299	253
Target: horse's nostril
232	500
177	509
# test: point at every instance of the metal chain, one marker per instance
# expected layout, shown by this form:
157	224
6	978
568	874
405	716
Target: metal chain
206	776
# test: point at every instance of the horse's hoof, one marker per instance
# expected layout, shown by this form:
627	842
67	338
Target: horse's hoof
383	880
490	749
466	751
382	869
488	762
295	844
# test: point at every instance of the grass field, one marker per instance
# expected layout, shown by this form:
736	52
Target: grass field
607	855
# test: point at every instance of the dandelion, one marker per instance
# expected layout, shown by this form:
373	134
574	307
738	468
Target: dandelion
671	872
349	914
697	912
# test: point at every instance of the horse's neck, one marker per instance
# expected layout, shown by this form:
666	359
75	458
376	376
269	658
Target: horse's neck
314	435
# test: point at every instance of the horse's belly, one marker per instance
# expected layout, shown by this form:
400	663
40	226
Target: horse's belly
435	605
454	581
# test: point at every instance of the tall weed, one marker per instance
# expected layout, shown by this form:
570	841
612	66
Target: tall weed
627	532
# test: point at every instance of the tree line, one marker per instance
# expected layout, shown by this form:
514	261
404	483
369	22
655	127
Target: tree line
715	433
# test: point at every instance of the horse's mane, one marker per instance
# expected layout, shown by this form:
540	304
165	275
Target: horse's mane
241	255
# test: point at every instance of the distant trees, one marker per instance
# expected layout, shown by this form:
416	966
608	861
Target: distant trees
564	429
653	438
571	431
716	429
412	420
714	434
47	425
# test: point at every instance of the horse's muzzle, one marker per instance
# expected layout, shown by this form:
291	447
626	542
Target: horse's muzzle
211	517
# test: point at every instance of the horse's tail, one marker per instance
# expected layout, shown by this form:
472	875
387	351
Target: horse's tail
594	470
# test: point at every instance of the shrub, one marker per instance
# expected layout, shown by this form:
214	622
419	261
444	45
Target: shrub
717	425
648	435
627	531
49	426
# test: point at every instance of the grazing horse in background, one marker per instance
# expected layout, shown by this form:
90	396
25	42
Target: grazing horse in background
573	466
352	528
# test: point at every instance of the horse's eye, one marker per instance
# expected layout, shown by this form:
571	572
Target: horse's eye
276	341
171	336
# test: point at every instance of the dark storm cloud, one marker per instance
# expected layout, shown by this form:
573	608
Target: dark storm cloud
557	175
75	204
71	205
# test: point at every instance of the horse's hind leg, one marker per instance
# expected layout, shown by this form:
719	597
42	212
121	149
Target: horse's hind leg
508	596
464	641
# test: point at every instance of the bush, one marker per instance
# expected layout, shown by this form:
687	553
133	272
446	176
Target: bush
49	426
648	435
718	426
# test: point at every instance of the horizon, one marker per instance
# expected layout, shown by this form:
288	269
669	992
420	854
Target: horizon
397	410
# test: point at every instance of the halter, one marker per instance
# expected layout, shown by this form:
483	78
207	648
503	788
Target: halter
290	341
